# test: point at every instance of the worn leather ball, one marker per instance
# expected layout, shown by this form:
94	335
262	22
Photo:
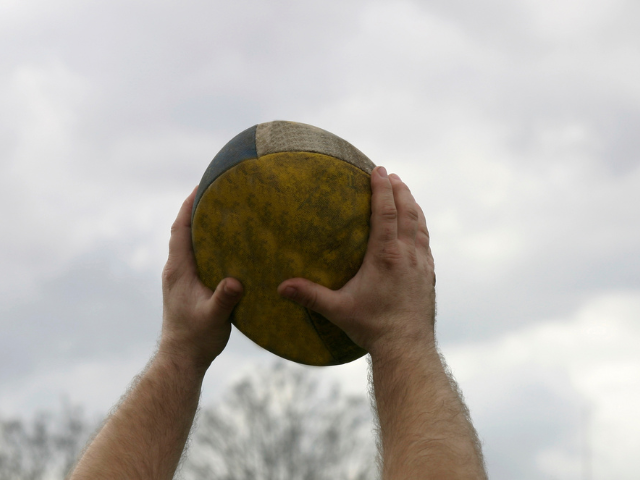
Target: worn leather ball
284	200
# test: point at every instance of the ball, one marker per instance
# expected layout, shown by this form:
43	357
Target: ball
284	200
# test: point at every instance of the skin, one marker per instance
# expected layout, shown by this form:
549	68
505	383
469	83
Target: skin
388	308
145	436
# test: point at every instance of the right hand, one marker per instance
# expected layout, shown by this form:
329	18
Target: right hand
390	302
196	324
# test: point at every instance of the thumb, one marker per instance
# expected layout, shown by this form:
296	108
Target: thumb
227	295
323	300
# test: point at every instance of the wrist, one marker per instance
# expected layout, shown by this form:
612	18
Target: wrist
168	356
410	345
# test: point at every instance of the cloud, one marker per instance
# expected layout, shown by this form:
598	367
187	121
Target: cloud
85	333
97	308
514	124
539	394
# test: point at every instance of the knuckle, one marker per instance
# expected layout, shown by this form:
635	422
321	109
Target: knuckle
224	302
402	186
389	255
310	299
423	231
413	214
422	241
422	218
388	212
169	274
224	298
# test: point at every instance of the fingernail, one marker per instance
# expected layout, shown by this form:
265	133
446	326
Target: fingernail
396	176
289	292
231	290
382	172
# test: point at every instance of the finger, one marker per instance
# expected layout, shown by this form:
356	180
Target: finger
423	241
408	215
432	266
323	300
384	215
180	247
226	296
422	235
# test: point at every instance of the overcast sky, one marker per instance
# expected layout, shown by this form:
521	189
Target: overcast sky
515	123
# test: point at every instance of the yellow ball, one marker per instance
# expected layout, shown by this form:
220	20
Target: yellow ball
284	200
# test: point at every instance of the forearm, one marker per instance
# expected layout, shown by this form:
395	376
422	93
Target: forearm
424	425
388	309
145	436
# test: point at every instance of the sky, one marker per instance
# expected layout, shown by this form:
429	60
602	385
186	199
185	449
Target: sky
516	124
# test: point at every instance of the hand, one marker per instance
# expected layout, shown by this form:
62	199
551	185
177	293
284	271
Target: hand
391	300
196	324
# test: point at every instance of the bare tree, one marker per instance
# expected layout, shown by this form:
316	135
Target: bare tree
283	423
44	447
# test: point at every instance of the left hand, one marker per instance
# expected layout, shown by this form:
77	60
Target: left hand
196	326
388	307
